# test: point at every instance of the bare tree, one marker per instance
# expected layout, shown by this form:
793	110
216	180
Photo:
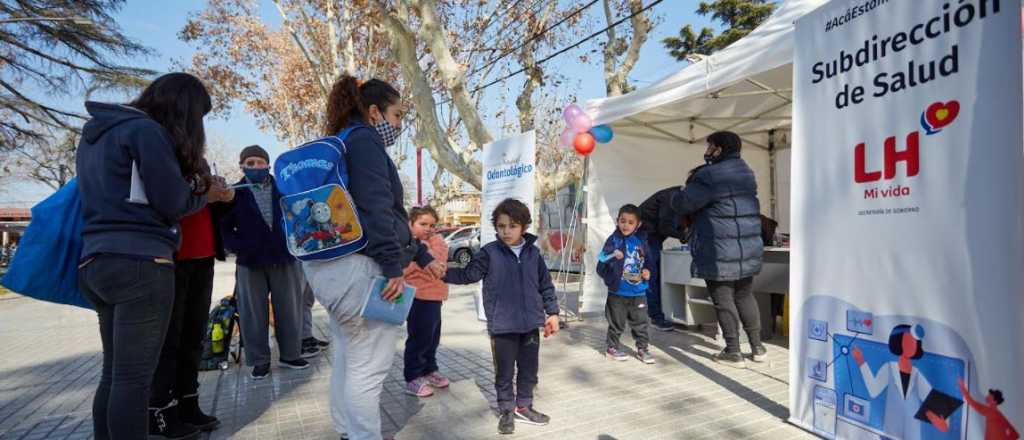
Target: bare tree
48	158
621	53
443	52
60	49
223	158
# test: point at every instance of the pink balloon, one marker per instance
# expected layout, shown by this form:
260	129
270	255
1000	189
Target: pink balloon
567	137
571	112
581	123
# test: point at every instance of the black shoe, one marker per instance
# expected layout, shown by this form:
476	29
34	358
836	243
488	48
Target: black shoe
759	353
298	364
190	413
164	423
260	372
309	351
530	417
506	423
314	341
664	326
731	359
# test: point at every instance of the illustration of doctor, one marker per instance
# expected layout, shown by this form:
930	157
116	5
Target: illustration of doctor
905	386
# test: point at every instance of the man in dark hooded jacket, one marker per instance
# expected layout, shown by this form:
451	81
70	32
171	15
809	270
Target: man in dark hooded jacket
725	240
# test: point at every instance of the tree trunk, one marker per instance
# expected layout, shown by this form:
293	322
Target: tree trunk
428	129
334	45
616	78
432	32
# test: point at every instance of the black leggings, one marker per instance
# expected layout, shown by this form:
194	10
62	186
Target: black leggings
177	375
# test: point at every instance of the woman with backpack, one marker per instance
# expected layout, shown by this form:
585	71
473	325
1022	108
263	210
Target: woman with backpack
140	171
364	349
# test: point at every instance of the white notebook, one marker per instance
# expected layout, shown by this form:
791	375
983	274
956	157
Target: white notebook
137	192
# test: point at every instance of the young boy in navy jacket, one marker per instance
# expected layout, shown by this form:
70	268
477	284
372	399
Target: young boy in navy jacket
625	266
518	298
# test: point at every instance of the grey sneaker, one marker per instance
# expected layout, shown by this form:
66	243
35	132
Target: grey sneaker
530	416
759	354
616	354
645	356
734	360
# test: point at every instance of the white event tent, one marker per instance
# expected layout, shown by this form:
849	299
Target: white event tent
659	130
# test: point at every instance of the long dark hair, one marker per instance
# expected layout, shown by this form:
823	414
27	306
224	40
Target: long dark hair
178	102
350	101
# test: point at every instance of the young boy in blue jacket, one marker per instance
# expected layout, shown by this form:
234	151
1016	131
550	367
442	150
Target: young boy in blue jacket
625	267
518	298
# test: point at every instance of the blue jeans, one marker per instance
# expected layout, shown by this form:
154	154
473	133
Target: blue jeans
654	284
133	298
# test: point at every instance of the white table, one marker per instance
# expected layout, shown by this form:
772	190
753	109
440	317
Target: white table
685	299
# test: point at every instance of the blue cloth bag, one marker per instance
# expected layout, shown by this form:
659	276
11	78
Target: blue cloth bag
46	264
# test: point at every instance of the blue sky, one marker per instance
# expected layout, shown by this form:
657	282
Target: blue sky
156	24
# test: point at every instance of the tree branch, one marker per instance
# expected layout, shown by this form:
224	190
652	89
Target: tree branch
298	42
428	131
432	31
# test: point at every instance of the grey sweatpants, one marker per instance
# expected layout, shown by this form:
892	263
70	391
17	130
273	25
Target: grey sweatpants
282	283
363	349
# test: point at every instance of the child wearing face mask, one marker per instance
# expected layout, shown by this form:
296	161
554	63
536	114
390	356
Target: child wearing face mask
252	229
424	322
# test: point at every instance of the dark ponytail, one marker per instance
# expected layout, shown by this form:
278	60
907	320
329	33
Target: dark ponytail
350	101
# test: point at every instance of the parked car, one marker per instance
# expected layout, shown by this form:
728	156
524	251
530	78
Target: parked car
445	231
463	243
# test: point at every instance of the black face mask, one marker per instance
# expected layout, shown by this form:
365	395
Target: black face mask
709	159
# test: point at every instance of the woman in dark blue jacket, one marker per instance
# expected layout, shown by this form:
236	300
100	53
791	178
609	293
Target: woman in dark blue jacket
365	348
725	240
139	172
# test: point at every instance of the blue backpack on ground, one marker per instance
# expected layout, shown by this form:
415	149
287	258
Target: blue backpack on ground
46	264
320	219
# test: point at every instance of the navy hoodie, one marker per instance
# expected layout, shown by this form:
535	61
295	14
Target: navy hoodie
518	292
376	189
116	136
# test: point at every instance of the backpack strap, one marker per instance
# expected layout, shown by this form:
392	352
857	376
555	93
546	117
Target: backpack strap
347	131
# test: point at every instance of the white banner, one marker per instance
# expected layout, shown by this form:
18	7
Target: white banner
908	220
509	172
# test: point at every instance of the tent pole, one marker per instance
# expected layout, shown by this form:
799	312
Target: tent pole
771	172
585	223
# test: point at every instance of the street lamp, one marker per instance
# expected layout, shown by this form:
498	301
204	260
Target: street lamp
76	20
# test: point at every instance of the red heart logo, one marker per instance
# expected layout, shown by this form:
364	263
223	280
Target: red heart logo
942	114
867	322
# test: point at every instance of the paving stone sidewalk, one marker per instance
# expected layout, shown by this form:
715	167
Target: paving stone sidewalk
50	364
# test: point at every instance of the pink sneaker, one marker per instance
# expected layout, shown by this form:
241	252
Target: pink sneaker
419	388
437	380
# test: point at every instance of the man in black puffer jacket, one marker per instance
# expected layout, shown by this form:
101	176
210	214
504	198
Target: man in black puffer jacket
725	240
